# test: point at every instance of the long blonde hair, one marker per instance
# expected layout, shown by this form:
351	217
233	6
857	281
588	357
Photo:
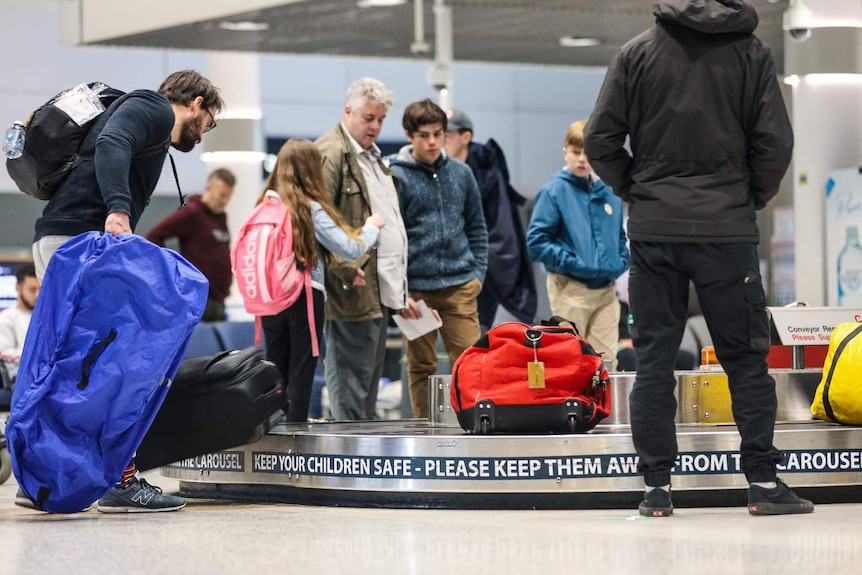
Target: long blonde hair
298	177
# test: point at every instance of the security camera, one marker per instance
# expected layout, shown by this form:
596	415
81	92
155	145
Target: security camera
797	21
799	34
439	75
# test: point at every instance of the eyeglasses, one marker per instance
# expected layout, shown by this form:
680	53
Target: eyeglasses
212	123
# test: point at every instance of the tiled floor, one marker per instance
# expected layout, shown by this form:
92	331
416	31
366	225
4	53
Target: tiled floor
214	538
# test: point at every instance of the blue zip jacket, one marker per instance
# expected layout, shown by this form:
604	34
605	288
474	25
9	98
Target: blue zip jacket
576	230
447	241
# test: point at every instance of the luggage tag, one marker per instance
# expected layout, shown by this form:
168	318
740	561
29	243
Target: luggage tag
535	368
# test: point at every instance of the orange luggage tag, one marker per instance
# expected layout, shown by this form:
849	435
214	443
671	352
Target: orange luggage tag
535	368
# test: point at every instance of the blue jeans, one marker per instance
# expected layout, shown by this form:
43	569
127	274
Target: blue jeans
729	288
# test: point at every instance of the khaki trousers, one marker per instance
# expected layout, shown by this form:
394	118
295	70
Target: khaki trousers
596	312
459	313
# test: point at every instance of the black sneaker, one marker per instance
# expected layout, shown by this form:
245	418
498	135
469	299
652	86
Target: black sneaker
21	500
778	501
656	503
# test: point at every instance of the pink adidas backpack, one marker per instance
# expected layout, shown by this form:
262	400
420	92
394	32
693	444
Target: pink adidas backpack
265	267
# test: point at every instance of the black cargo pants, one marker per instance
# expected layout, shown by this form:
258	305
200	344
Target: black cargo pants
729	288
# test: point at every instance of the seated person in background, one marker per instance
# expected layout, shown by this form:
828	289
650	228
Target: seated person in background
15	319
201	228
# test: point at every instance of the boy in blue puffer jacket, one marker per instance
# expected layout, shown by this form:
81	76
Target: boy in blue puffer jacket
576	231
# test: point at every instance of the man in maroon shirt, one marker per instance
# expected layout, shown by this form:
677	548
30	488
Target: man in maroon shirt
201	228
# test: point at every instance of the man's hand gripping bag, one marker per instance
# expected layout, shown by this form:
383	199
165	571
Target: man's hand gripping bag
109	329
524	379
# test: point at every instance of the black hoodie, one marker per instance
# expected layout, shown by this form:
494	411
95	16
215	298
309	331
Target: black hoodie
709	134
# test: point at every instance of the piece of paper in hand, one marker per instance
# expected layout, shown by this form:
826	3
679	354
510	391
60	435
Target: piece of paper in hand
413	328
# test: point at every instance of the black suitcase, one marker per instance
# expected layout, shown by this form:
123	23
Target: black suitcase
215	402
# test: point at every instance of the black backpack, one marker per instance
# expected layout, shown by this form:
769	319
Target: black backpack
53	138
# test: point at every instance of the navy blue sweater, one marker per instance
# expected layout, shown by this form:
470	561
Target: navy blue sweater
129	143
447	242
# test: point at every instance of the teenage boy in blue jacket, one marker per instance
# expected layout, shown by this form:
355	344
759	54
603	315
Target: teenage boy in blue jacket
447	242
576	231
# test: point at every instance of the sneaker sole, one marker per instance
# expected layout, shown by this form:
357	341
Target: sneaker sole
780	509
25	503
655	511
121	509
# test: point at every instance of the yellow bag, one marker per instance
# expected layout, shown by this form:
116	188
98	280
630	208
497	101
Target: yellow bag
839	395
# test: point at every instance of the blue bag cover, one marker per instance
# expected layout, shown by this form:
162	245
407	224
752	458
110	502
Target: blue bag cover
109	329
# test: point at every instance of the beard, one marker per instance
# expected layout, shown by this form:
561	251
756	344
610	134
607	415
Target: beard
27	304
188	137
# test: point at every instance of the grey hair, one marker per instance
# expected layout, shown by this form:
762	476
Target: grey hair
369	89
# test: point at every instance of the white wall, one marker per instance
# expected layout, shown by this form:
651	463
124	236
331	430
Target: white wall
827	116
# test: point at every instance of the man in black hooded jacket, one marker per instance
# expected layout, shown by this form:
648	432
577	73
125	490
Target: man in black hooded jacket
710	142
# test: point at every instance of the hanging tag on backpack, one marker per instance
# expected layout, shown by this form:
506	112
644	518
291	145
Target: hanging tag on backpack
535	368
536	374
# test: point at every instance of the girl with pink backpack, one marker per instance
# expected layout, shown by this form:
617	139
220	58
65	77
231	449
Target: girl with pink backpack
279	257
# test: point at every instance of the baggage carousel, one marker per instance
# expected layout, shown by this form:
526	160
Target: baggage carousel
435	464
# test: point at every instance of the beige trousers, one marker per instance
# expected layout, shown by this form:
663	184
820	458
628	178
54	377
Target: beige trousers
596	312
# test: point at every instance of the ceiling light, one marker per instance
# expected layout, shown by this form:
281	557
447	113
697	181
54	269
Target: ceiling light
378	3
244	26
576	42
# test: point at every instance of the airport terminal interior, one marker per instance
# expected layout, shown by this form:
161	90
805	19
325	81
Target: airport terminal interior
414	496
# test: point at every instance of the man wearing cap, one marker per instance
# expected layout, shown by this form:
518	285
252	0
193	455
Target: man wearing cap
516	292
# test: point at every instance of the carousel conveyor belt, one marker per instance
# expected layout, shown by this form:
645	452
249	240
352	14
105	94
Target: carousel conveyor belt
435	464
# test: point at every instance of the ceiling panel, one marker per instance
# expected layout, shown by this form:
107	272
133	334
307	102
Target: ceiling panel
502	31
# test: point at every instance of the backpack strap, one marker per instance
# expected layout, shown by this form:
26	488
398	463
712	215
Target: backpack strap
312	326
827	404
177	180
258	332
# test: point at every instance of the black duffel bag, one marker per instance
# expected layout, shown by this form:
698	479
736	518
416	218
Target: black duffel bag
215	402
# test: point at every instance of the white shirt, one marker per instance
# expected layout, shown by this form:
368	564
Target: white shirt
14	322
392	246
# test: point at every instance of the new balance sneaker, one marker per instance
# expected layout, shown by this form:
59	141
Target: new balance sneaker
777	501
139	497
656	503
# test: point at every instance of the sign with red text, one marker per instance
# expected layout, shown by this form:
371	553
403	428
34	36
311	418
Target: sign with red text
810	325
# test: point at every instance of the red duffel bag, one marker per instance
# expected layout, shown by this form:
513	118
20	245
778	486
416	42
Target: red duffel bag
523	379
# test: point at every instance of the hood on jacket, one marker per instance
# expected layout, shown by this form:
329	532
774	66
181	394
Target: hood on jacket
405	155
405	158
582	183
708	16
